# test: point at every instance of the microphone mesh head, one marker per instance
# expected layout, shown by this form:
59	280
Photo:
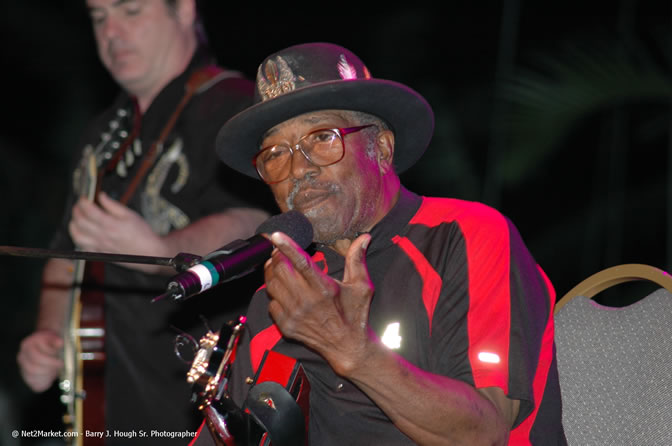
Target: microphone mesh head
292	223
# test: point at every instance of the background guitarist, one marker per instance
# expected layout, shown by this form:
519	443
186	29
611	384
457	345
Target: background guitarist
161	192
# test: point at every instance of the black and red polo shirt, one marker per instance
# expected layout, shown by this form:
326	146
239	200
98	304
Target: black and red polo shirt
457	294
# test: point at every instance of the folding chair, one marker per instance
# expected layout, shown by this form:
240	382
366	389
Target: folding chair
615	364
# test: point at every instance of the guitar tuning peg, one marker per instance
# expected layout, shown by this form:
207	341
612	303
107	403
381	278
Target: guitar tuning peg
129	158
114	125
105	136
121	170
122	112
123	133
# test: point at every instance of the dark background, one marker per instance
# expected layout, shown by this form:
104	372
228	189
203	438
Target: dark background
557	113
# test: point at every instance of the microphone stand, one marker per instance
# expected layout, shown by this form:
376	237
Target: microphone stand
181	262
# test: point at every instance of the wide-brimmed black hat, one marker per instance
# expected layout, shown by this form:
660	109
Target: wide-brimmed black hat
321	76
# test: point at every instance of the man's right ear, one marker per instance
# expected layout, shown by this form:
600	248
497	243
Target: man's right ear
385	146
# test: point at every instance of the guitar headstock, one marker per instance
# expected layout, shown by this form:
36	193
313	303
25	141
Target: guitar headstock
212	362
86	174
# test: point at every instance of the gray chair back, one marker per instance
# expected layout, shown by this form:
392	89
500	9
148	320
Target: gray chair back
615	368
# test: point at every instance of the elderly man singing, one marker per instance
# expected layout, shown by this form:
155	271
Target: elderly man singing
418	320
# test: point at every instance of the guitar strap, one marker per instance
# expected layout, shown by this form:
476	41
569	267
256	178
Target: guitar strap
199	81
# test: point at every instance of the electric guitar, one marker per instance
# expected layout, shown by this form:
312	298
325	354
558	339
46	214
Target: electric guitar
82	378
276	411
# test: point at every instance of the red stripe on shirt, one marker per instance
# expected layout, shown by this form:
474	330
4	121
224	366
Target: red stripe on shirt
431	281
521	434
264	340
486	236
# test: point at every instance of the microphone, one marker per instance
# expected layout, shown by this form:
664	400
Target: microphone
239	257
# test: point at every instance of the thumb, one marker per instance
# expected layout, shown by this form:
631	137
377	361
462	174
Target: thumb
355	260
56	342
110	205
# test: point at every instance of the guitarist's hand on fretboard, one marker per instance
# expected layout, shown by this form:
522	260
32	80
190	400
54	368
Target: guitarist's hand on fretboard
40	360
109	226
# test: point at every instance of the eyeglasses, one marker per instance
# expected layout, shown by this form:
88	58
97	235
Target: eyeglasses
322	147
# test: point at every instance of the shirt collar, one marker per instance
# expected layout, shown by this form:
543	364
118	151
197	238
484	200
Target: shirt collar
395	221
382	233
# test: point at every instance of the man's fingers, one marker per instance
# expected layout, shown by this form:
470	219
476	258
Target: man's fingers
113	207
82	238
355	260
86	209
297	258
39	359
278	269
39	376
41	364
86	218
54	343
97	214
